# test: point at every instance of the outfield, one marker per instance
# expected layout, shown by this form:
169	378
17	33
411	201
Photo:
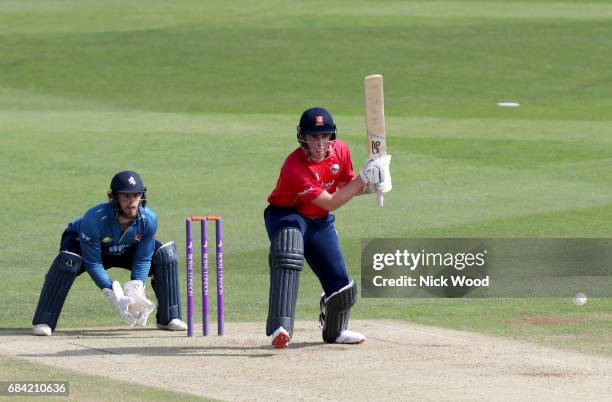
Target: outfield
202	99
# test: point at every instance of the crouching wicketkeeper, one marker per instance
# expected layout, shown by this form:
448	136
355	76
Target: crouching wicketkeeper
119	233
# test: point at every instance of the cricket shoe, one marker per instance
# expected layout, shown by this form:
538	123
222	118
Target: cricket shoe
350	337
174	325
41	330
280	338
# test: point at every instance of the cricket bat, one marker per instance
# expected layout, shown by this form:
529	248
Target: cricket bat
375	120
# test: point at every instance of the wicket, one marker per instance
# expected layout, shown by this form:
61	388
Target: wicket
219	262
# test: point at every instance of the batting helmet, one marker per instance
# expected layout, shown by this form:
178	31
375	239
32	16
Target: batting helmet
316	121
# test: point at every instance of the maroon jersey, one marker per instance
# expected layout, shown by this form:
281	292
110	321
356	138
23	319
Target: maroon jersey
302	180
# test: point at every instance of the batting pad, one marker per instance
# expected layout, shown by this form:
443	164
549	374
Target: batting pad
335	311
286	262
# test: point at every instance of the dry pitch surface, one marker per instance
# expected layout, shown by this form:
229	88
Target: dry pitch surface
399	361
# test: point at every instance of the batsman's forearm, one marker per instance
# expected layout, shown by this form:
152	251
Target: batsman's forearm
334	201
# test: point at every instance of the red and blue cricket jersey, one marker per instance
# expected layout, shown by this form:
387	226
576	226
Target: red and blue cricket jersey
302	180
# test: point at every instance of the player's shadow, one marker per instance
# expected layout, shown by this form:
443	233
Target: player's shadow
15	331
133	333
303	345
165	351
72	337
98	333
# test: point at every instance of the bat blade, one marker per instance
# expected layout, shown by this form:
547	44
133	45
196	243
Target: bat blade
375	120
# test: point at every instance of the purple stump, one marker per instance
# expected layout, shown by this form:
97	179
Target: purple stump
190	306
204	250
220	299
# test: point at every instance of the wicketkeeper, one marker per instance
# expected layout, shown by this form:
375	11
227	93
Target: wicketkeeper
315	179
119	233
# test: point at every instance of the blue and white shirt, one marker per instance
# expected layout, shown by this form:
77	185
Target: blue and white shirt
100	234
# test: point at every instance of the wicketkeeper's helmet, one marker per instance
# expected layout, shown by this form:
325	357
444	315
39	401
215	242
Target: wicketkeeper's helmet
126	182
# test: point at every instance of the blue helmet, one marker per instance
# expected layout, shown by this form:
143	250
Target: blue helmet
316	121
126	182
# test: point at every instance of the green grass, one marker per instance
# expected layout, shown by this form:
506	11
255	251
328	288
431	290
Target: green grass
202	99
83	387
204	58
550	322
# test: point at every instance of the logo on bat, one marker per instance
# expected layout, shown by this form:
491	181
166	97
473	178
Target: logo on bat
375	146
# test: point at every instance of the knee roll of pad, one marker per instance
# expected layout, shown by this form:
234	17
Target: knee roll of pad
335	311
166	254
58	282
286	262
287	250
165	283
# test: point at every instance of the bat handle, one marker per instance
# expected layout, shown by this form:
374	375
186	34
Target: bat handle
379	198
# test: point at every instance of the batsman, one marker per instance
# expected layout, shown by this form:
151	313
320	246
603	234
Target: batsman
315	179
118	233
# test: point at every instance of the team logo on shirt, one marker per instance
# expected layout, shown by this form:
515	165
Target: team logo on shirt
335	168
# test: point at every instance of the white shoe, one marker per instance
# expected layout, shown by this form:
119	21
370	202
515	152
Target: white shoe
174	325
42	330
280	338
350	337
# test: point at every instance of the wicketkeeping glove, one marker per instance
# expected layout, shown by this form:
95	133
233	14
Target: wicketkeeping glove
117	298
142	307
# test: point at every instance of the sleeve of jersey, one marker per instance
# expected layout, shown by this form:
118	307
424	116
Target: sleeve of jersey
91	251
305	186
143	254
347	173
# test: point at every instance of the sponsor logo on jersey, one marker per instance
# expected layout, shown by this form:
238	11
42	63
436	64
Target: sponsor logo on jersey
328	185
138	237
307	191
107	240
117	249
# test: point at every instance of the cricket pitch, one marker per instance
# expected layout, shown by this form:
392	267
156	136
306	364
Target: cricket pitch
399	361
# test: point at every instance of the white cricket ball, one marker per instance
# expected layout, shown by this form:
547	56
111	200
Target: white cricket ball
580	299
508	104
